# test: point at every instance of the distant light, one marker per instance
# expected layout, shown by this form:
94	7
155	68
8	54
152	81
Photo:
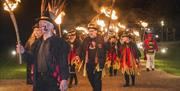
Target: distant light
13	52
157	36
162	23
140	45
164	50
144	24
136	33
65	31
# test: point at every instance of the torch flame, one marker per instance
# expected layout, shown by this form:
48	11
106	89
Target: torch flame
121	26
12	4
58	20
101	23
107	13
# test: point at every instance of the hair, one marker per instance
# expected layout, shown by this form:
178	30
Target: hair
30	40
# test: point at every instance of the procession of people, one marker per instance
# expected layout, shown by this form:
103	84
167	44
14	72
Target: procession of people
53	61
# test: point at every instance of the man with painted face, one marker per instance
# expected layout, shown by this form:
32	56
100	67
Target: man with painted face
50	55
94	56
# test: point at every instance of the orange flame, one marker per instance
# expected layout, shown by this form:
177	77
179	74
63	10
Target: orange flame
58	20
12	4
107	13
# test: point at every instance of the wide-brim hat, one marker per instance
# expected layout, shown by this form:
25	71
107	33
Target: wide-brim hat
47	16
71	32
93	26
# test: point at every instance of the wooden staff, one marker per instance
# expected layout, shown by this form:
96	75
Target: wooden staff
16	28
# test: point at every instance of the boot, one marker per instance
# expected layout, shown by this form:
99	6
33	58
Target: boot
126	76
133	79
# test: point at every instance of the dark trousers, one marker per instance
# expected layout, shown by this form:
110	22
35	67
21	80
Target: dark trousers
127	78
112	71
29	79
94	77
45	82
73	75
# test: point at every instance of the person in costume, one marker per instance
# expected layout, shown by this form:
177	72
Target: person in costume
112	59
30	66
150	49
73	56
50	56
93	53
129	55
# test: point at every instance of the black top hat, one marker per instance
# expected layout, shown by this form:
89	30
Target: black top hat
48	16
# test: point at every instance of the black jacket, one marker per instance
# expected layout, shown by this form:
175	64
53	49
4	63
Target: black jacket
59	51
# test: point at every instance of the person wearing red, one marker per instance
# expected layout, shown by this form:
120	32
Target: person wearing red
112	56
129	56
150	48
73	56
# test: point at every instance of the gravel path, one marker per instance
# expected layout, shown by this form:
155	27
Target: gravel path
147	81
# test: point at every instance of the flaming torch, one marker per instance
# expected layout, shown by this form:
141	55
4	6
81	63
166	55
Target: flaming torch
10	5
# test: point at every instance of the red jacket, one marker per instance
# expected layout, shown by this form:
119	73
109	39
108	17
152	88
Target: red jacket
146	45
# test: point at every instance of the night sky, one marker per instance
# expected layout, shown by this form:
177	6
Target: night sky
28	10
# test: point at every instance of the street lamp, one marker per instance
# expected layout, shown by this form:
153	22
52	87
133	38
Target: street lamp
162	28
144	25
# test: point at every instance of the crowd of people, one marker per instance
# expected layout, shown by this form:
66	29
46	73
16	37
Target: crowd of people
52	61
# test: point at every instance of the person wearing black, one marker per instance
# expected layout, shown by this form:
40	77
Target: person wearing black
50	55
73	57
30	66
94	56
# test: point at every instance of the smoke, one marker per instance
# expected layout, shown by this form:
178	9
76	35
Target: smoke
95	4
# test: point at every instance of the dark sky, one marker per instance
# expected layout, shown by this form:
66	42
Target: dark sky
28	10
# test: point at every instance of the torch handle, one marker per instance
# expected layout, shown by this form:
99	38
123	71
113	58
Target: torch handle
17	33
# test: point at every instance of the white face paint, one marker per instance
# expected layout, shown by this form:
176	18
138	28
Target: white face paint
45	26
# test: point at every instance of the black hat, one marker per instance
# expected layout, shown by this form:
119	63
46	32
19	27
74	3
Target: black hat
72	32
48	16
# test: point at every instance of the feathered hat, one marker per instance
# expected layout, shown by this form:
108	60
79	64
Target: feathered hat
50	9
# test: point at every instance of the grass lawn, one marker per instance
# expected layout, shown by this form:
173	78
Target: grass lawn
170	61
11	69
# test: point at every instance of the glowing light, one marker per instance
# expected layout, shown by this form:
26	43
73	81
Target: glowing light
101	23
157	36
140	45
12	4
82	28
58	19
162	23
136	33
164	50
13	52
121	26
65	31
107	13
144	24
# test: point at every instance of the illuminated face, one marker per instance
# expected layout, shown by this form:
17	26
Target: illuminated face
72	38
125	39
92	33
45	26
112	40
37	32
